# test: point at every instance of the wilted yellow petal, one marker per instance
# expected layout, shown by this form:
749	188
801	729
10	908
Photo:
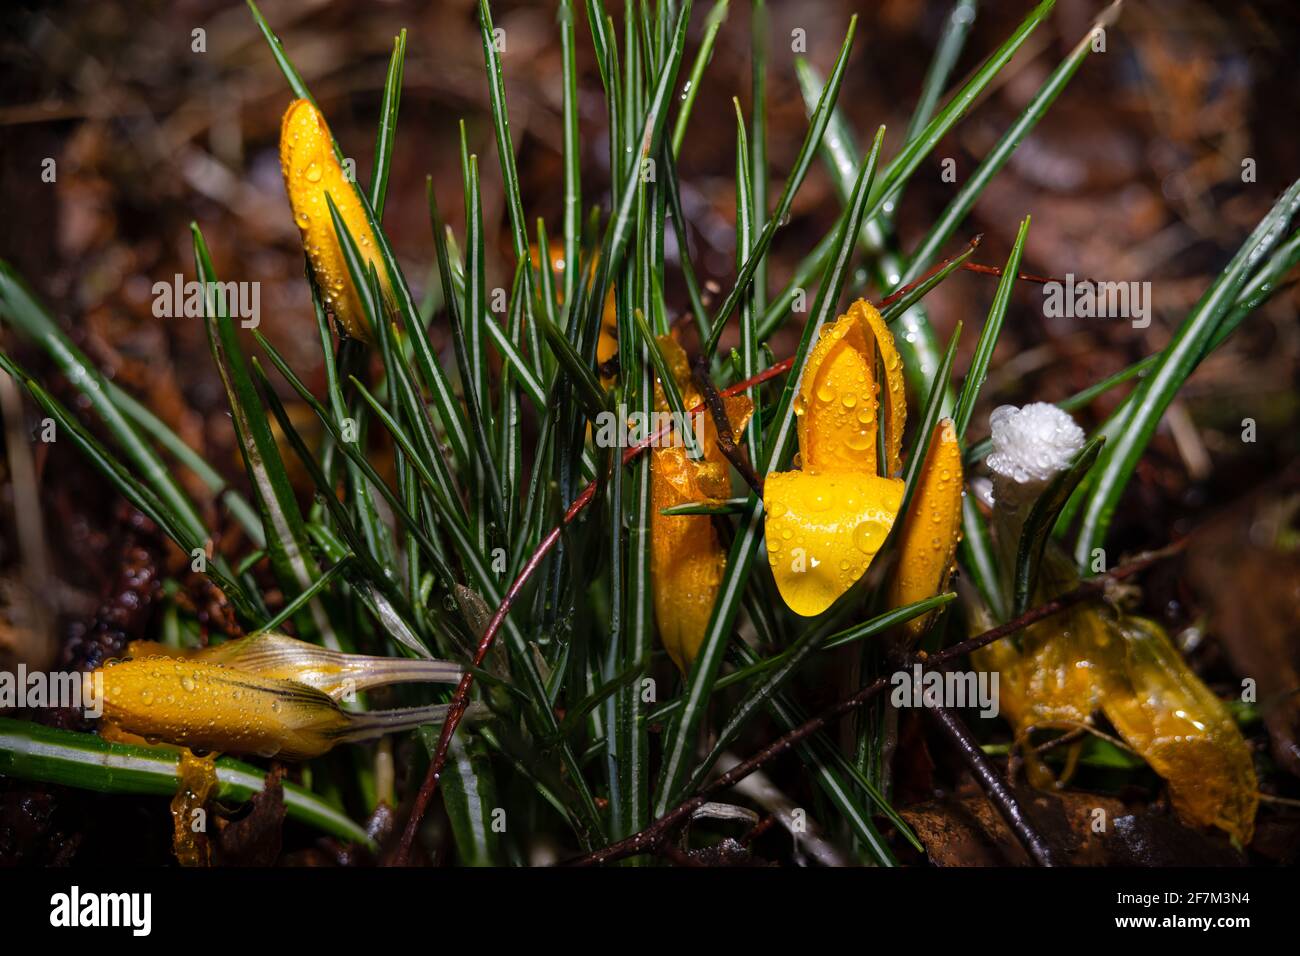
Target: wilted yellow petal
1085	660
196	784
931	529
823	530
1165	713
310	171
686	558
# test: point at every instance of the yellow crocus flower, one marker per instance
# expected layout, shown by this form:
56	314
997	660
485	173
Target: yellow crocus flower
311	170
825	522
686	559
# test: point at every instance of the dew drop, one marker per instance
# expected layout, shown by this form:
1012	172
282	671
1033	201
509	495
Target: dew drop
869	535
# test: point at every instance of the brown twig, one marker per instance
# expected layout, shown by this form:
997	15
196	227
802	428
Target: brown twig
726	440
650	837
991	782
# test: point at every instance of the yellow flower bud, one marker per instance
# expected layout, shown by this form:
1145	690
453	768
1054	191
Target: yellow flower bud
686	558
311	170
931	529
825	522
269	695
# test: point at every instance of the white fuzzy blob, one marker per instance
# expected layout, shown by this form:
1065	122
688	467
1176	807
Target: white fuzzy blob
1032	443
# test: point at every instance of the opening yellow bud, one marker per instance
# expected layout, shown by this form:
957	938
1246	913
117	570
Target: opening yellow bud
825	523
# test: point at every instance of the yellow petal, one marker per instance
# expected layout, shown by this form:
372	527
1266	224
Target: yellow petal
1164	712
310	171
895	412
686	558
823	531
836	402
281	657
931	528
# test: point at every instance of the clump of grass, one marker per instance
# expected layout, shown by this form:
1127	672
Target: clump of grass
509	541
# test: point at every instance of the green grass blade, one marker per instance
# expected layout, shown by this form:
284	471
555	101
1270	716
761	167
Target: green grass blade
988	341
955	212
902	166
671	392
387	126
288	544
1177	361
501	122
1041	520
816	127
758	140
18	305
753	437
131	488
67	758
572	151
712	24
929	419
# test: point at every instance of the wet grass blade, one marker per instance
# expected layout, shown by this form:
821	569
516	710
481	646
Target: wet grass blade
501	123
712	24
88	762
435	379
758	140
288	544
134	490
1041	520
753	437
929	419
572	151
988	341
586	386
942	229
672	393
19	306
952	41
358	458
387	126
816	127
1177	361
902	166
